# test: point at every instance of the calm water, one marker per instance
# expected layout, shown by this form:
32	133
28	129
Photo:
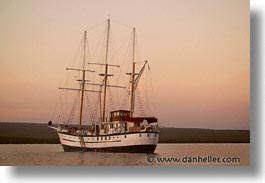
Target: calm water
52	154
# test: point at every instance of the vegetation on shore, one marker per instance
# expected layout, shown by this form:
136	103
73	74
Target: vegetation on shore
193	135
34	133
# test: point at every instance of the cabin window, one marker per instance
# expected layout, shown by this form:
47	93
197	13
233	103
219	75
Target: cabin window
101	138
155	134
140	135
97	138
106	138
124	136
148	135
109	137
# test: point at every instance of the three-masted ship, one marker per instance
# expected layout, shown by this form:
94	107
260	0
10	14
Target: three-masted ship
122	131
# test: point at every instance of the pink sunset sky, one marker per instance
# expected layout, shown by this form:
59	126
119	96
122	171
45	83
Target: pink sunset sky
199	53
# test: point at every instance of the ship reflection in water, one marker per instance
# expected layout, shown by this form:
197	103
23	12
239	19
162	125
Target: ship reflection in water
53	154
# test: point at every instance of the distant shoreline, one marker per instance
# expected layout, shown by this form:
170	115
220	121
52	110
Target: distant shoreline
34	133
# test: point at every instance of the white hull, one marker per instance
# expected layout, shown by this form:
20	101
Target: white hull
138	142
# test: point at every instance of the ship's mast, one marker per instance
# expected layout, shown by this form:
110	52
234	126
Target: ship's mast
106	72
134	80
133	77
83	81
105	76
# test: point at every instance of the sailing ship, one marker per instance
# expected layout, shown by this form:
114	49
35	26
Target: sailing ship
122	131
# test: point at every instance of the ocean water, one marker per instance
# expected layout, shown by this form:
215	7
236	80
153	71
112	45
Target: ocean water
165	155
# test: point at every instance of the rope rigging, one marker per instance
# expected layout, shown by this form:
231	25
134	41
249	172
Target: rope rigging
95	53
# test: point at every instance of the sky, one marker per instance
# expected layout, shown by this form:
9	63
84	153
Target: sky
198	50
